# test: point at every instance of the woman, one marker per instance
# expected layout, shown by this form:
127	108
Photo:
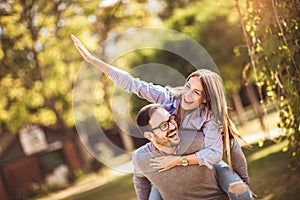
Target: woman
200	104
211	101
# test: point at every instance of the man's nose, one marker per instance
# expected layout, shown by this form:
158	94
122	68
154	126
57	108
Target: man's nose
171	126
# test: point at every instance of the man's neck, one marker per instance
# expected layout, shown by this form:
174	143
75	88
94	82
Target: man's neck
165	150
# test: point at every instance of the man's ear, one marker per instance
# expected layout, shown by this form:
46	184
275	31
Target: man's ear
148	135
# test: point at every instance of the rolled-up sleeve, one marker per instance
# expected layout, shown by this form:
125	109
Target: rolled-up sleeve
213	149
149	91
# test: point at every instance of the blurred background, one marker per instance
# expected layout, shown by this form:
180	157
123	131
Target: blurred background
254	43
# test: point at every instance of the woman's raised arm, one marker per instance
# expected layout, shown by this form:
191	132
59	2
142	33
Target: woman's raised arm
87	56
149	91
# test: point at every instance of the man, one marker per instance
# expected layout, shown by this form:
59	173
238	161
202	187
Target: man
188	182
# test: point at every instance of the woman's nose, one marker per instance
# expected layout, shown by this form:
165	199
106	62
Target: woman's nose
189	93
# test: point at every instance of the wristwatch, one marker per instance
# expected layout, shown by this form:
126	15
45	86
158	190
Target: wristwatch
184	161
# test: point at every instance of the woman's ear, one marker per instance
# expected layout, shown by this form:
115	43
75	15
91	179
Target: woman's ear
148	135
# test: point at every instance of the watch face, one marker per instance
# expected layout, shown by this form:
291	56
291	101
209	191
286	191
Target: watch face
184	161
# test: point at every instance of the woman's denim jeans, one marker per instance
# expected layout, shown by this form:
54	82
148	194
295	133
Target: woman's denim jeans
154	194
227	179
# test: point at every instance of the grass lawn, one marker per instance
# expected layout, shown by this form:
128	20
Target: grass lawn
119	189
270	178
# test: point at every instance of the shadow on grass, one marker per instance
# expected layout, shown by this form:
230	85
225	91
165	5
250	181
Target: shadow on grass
270	176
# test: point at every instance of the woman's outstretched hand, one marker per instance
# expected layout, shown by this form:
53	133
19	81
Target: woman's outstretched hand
104	67
82	50
164	163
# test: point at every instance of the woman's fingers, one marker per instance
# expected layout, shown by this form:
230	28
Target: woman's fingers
82	50
164	169
162	163
74	38
156	166
155	160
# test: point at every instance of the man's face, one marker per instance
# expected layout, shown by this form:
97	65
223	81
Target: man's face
160	138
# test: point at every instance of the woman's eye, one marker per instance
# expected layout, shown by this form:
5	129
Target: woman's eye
198	93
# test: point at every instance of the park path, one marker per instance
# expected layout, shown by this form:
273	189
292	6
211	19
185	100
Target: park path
95	182
270	135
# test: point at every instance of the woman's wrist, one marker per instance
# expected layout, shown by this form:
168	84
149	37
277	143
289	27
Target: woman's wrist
91	59
104	67
179	161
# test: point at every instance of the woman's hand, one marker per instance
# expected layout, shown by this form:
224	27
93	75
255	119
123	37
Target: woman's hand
82	50
164	163
104	67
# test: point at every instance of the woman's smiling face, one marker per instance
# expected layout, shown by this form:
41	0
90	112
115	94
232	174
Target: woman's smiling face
192	94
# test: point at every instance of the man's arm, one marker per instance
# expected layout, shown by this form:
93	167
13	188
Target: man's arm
142	187
141	183
239	162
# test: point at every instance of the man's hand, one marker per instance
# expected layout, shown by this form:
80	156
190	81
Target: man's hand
164	163
253	194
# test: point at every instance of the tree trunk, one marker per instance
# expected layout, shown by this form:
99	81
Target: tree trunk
239	107
127	141
255	104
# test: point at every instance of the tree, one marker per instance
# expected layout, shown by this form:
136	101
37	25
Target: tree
39	66
35	82
214	25
271	31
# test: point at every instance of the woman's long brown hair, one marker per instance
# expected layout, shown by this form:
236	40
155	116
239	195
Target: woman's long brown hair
214	95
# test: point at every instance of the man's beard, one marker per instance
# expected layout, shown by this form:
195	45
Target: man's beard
165	143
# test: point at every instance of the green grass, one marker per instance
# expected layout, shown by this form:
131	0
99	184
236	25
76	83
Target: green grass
269	174
268	169
118	189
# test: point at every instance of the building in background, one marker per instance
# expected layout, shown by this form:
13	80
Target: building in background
37	156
